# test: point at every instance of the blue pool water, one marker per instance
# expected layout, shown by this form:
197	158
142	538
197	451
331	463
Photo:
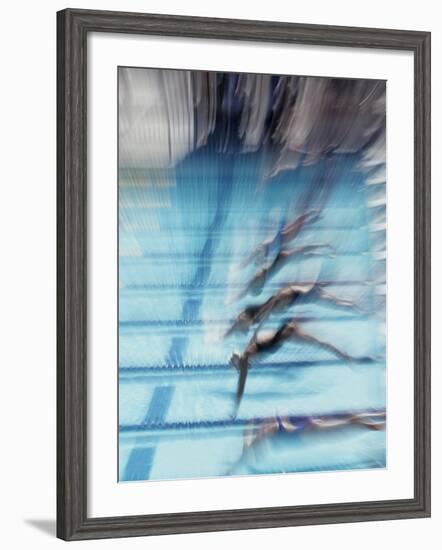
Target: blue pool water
183	234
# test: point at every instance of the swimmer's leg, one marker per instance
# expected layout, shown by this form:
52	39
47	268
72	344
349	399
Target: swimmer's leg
308	338
338	301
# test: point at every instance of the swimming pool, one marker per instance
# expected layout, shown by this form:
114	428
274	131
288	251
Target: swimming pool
183	236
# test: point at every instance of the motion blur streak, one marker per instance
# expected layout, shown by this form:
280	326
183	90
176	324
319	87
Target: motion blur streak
252	251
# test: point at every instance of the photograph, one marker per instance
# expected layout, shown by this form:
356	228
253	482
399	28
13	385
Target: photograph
252	219
243	273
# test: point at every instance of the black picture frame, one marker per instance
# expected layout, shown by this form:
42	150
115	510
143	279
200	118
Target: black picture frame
73	26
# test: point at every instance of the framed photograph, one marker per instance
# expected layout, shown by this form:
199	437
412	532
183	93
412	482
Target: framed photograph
243	274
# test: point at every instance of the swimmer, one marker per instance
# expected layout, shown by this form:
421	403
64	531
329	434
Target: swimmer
283	300
285	234
290	330
258	431
256	285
